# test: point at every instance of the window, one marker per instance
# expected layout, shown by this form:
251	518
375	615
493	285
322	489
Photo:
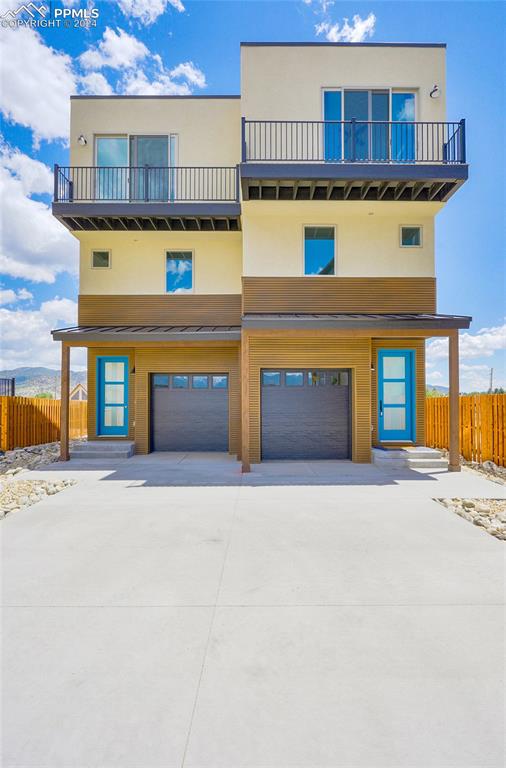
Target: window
100	259
294	379
179	271
220	381
316	378
271	378
161	380
319	251
411	237
200	382
180	381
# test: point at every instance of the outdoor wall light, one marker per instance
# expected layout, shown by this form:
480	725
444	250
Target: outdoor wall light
82	140
435	93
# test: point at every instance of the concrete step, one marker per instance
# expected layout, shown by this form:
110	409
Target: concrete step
417	457
428	463
96	449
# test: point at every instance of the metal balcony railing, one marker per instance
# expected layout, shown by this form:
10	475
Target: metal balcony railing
146	184
352	141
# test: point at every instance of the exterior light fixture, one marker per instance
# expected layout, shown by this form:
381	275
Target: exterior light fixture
82	140
435	93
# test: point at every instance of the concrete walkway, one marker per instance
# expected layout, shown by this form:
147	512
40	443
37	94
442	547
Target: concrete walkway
167	611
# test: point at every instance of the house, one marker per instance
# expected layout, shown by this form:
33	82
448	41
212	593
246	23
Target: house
257	272
79	392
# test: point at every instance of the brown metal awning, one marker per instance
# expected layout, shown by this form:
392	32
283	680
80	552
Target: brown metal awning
354	321
136	333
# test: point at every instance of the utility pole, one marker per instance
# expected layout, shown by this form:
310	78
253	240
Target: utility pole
491	387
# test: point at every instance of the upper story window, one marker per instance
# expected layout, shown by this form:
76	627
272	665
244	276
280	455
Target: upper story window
179	271
319	251
100	259
411	237
373	136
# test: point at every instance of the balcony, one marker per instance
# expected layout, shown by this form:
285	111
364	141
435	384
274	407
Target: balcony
147	198
352	160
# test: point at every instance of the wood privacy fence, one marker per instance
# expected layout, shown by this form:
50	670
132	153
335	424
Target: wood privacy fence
35	420
482	426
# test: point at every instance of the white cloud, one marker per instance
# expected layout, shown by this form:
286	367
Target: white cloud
37	81
26	335
434	377
9	296
481	344
34	246
356	32
117	50
147	11
95	84
138	84
188	71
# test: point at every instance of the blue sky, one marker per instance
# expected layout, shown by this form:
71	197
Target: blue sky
181	46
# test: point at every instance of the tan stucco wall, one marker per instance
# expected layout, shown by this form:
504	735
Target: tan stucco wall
366	245
208	130
274	77
138	261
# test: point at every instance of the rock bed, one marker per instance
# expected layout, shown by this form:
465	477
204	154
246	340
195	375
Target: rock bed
31	457
491	471
17	494
489	514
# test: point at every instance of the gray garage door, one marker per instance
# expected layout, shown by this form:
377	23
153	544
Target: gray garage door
189	412
305	414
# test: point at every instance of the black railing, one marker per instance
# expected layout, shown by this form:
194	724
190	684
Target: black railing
352	141
145	184
8	387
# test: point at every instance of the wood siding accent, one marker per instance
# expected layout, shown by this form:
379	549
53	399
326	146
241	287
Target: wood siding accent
93	353
211	309
307	351
339	294
418	345
187	359
28	421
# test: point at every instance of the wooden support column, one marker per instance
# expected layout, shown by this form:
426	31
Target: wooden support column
454	404
64	401
245	402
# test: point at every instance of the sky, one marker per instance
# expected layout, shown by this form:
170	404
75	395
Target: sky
182	46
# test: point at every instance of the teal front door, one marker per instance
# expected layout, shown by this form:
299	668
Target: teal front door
396	401
112	396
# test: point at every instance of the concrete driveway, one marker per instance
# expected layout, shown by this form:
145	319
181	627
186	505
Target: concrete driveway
167	611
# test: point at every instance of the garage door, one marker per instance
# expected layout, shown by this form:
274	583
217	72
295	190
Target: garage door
305	414
189	412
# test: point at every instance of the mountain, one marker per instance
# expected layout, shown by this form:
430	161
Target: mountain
438	388
34	381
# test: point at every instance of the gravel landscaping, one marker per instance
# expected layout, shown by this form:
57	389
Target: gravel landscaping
32	457
490	514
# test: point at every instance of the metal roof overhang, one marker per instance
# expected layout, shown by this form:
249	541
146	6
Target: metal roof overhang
355	321
135	333
351	181
146	217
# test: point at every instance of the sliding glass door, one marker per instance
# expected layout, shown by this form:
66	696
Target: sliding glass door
111	181
149	162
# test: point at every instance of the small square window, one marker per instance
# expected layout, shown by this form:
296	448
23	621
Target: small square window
200	382
179	272
220	381
161	380
100	259
411	237
294	379
180	381
271	378
319	246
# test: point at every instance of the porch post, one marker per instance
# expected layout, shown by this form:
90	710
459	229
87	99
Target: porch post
454	405
245	402
64	402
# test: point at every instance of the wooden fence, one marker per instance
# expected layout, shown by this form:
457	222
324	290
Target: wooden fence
35	420
482	426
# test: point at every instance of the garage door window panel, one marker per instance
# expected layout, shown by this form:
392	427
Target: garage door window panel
294	379
200	382
220	382
180	382
271	378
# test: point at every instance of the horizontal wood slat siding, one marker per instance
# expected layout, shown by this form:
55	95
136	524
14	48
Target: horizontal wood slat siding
184	360
306	351
419	346
92	390
339	294
209	309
